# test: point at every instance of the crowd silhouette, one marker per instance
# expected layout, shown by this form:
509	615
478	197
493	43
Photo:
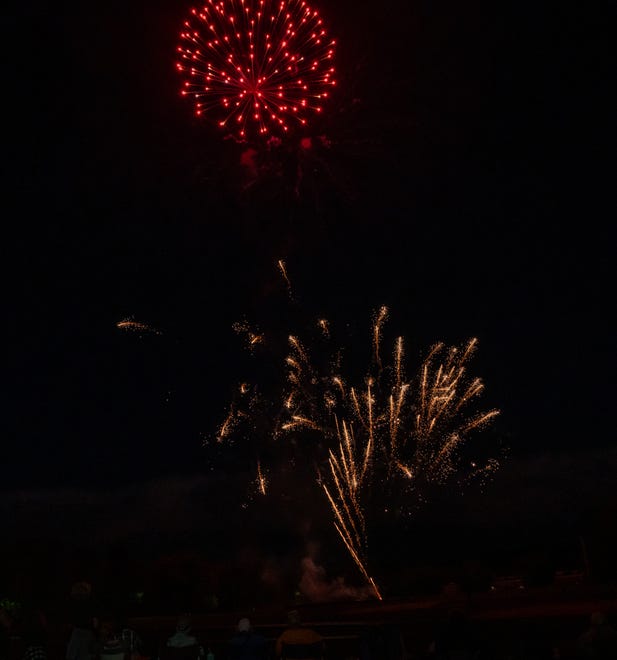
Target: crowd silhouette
90	631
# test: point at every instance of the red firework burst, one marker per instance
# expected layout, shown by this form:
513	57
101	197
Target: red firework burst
256	66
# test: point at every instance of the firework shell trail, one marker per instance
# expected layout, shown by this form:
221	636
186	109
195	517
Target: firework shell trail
256	67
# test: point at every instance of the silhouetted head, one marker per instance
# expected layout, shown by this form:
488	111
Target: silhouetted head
183	624
293	618
244	625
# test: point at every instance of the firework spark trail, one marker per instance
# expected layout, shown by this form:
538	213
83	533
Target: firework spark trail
347	474
135	326
414	438
298	421
227	426
386	440
371	429
344	533
259	67
349	517
381	317
252	337
299	349
283	269
261	480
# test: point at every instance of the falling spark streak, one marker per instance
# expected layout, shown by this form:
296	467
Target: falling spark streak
395	415
383	313
261	480
300	421
357	527
252	338
471	347
473	390
369	447
448	447
136	326
356	404
343	532
292	363
351	525
283	269
226	426
298	348
480	421
398	356
339	383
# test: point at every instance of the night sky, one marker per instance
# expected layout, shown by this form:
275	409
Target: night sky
461	187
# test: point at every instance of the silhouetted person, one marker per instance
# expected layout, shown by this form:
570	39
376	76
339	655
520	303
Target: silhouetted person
298	641
183	644
84	620
599	641
117	637
246	643
34	635
132	642
183	636
110	640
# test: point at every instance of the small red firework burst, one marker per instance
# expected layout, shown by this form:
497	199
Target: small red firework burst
257	67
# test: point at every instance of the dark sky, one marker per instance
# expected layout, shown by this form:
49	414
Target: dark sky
463	188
